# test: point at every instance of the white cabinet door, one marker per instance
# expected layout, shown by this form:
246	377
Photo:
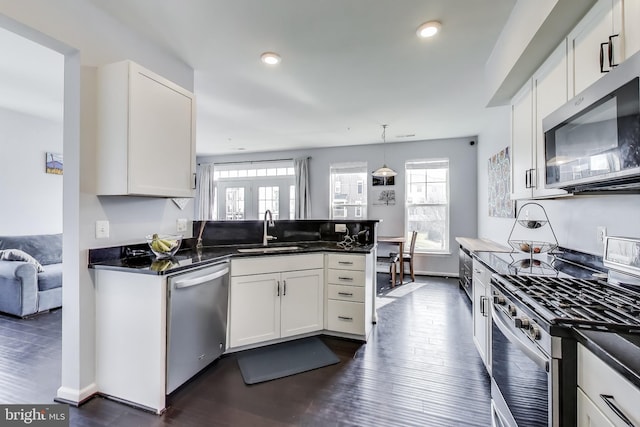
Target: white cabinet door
588	413
301	302
550	92
481	319
586	42
146	140
522	143
254	310
631	14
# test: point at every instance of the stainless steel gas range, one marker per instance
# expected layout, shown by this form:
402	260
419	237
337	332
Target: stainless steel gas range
533	348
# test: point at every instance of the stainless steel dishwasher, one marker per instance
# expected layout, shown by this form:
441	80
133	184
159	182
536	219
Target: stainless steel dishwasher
196	321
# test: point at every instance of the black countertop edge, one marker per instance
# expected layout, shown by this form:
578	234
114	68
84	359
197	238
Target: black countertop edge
620	351
189	258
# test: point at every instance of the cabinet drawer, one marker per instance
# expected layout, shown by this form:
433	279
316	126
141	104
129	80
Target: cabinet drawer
346	262
275	264
346	293
346	277
481	273
344	316
596	378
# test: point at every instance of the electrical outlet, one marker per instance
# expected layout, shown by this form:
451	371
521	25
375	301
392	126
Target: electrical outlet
341	228
181	225
102	229
602	233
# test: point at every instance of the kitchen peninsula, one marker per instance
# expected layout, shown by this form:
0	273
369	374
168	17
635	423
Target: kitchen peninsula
313	281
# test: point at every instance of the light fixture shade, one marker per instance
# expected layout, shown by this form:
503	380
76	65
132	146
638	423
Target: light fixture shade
384	171
428	29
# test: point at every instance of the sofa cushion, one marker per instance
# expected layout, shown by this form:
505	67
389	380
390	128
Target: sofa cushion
18	255
51	278
46	248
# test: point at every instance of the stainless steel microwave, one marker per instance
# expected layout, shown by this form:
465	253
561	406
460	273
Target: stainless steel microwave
593	141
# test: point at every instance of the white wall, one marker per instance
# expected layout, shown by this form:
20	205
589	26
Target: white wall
31	198
462	158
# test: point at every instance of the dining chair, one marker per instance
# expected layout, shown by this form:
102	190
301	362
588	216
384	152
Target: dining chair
408	256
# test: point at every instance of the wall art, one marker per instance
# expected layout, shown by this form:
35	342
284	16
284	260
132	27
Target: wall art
383	180
384	197
53	163
500	203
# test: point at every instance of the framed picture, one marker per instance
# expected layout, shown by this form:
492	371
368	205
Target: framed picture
384	180
53	163
500	203
384	197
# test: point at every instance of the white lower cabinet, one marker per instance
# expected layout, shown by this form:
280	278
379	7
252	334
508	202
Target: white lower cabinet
481	295
605	398
275	297
349	294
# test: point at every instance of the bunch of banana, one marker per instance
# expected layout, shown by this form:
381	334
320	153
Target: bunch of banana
162	245
161	265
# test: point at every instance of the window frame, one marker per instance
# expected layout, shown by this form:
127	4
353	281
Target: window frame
444	163
355	168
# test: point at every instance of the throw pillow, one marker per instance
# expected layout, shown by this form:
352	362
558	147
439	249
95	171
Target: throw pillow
18	255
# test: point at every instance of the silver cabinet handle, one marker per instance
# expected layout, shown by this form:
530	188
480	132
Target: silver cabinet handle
278	288
345	262
608	399
200	280
194	182
348	279
346	294
345	318
284	287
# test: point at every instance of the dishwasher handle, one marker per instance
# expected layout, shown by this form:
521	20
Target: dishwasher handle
180	284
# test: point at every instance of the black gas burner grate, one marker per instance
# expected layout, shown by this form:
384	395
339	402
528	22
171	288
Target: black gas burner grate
583	302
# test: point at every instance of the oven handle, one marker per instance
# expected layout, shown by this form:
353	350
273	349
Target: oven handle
541	360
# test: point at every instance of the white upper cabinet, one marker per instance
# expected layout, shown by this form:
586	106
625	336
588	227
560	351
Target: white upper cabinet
631	17
146	134
549	93
541	95
596	44
522	143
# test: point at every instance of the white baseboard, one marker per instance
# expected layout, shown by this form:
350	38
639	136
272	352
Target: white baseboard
74	396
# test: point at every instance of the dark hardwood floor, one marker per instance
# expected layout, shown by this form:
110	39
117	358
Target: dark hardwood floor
420	368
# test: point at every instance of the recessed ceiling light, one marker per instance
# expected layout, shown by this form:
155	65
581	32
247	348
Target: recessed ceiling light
428	29
270	58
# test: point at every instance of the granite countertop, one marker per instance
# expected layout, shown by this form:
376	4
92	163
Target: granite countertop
189	257
484	245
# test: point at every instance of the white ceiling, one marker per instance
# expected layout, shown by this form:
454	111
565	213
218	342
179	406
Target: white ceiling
348	66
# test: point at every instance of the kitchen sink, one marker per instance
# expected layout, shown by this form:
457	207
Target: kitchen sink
269	249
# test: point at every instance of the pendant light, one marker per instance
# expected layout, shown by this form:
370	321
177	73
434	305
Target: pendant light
384	171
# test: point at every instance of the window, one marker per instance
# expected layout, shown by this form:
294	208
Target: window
427	203
249	189
349	194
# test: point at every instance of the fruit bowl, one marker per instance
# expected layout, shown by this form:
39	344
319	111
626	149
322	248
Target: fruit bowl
531	246
164	245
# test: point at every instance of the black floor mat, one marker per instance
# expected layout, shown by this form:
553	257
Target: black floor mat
284	359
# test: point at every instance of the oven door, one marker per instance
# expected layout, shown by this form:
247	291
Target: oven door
521	386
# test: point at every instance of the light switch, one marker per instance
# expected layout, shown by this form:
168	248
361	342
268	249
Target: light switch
102	229
181	225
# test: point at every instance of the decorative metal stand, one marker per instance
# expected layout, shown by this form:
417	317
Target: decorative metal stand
532	233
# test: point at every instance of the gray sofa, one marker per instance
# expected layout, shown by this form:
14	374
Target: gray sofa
23	290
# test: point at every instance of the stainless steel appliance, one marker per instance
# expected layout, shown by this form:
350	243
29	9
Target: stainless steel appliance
196	321
593	141
533	351
465	274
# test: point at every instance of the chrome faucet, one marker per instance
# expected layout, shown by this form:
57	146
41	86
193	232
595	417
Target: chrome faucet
270	223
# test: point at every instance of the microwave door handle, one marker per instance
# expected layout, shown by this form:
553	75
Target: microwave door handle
541	361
